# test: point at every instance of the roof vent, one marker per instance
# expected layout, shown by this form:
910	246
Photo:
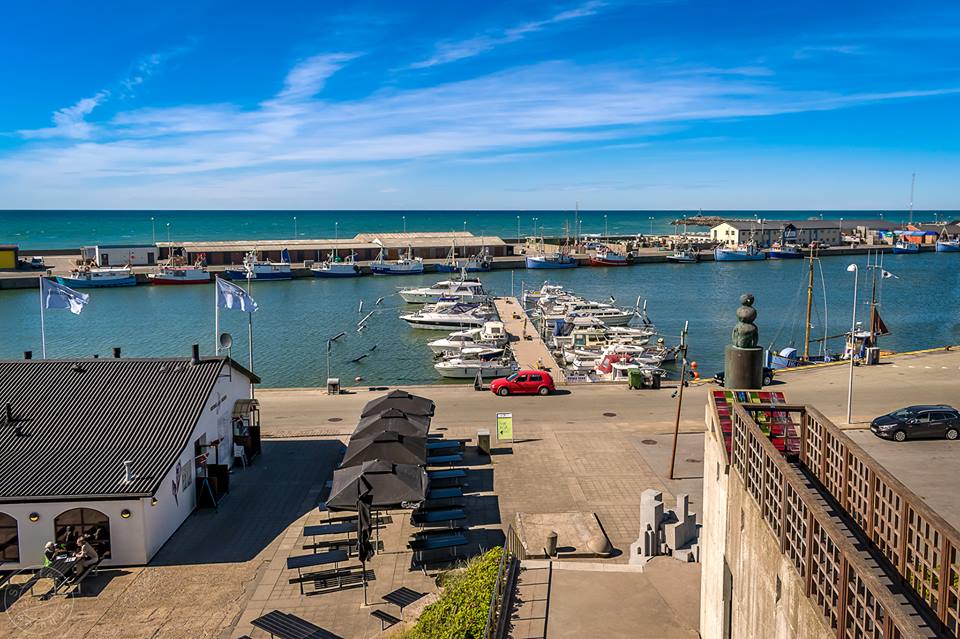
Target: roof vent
116	352
195	354
27	354
8	412
128	475
78	368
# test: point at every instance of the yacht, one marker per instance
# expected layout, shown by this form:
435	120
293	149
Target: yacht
545	291
491	334
606	313
257	269
98	277
446	316
462	289
406	265
467	369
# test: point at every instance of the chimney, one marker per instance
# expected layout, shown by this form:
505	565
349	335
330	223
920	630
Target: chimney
116	352
128	472
195	354
8	412
27	354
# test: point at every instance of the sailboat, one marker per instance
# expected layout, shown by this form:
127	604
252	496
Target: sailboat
789	357
334	266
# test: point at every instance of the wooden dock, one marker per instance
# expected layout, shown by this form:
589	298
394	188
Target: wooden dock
530	353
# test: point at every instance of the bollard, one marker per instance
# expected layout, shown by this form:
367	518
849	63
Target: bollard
483	441
552	544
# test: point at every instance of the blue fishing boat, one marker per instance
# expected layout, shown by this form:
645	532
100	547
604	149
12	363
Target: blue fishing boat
948	246
99	277
905	248
479	263
256	269
406	265
742	253
553	260
336	267
785	252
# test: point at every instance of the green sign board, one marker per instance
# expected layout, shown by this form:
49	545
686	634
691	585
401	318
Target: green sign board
505	426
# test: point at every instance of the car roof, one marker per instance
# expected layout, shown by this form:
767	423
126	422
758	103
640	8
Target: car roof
532	371
923	407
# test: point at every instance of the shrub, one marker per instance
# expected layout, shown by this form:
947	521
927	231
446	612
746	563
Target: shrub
462	609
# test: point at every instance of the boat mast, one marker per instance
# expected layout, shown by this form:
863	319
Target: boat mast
806	336
913	183
873	302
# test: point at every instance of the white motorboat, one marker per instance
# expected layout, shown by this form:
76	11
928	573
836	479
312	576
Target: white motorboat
174	275
467	369
546	290
490	334
457	315
405	265
474	352
464	290
99	277
606	313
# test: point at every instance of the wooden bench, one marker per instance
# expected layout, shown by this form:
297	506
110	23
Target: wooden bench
386	619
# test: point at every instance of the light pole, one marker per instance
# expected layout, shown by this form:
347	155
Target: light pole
605	234
534	227
404	223
853	327
651	225
330	342
153	229
295	227
168	232
464	226
518	229
841	231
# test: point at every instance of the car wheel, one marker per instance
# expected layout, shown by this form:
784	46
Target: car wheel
767	380
503	392
900	436
952	433
543	390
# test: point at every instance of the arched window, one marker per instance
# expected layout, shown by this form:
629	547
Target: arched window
9	543
72	523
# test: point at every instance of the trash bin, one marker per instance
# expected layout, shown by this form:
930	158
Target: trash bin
635	378
873	356
655	381
333	386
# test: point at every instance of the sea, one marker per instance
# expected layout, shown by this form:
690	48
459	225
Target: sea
920	302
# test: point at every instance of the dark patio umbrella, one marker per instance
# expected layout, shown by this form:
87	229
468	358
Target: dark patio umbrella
401	400
393	420
391	485
388	446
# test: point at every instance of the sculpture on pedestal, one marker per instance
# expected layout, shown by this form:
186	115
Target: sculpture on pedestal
743	360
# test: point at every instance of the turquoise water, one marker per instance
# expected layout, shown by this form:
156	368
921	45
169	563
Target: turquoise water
72	229
921	308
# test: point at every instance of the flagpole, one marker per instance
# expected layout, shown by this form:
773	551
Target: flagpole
216	314
43	335
250	328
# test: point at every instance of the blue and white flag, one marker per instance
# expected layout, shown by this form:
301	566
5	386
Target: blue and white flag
229	295
57	295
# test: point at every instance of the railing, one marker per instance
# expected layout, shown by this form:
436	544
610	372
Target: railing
501	599
854	596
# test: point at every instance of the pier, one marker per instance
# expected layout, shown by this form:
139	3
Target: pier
528	347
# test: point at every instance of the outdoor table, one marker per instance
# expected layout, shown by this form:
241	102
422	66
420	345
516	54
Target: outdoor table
338	528
59	571
403	597
444	444
437	516
451	473
444	493
317	559
444	459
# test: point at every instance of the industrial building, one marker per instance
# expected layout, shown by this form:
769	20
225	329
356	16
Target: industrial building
121	254
765	233
121	450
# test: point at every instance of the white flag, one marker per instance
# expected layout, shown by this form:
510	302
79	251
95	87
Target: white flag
229	295
884	274
57	295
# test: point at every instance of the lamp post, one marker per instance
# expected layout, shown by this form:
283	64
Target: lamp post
153	229
464	226
605	234
404	223
651	225
518	229
853	327
841	231
295	227
330	342
168	232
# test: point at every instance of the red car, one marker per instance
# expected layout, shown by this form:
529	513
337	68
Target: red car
524	383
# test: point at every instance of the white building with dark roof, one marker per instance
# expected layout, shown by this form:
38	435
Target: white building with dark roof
765	232
117	449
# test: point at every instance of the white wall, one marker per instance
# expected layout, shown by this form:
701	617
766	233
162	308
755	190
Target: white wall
120	255
126	535
713	532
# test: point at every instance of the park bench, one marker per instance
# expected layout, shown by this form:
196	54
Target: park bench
300	562
386	619
285	626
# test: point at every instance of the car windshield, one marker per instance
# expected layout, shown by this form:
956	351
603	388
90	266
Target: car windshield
510	378
903	413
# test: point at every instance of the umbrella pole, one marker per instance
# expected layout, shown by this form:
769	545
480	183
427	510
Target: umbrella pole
363	564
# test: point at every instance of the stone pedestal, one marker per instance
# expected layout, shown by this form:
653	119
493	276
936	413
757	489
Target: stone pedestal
743	367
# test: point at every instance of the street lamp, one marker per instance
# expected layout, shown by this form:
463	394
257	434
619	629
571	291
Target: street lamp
651	225
404	223
853	327
464	226
605	234
168	232
295	227
153	229
330	342
841	231
518	229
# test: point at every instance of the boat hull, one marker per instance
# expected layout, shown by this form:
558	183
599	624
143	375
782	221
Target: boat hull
179	281
379	269
242	275
337	272
948	247
411	297
682	260
904	250
721	255
785	255
113	282
470	372
541	263
452	268
601	261
443	325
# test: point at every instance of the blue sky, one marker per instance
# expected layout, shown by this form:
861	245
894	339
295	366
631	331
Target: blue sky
617	105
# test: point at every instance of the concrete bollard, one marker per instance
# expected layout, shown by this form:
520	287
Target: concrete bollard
552	544
483	440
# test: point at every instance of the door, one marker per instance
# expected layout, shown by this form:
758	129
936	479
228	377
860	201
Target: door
104	259
939	423
521	383
921	425
535	382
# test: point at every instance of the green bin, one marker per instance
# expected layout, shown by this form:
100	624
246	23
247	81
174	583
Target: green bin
635	378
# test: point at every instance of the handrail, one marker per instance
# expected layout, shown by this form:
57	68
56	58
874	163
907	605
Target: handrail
497	597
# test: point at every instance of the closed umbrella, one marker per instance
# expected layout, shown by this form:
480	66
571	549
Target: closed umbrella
393	420
388	446
401	400
391	485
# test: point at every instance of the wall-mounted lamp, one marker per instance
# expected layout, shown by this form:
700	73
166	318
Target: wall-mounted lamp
125	514
34	517
153	501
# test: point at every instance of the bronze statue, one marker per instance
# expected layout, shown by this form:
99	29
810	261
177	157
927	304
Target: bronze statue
745	333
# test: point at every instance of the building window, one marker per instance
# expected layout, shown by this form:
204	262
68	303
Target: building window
92	523
9	543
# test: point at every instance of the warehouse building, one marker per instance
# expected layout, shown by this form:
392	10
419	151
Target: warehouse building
121	254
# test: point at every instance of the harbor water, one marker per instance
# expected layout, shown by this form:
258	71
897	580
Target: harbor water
921	307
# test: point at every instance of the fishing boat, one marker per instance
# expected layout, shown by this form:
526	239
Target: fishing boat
903	247
785	252
405	265
257	269
948	246
553	260
98	277
458	368
448	316
605	256
174	275
336	267
464	290
479	263
742	253
684	257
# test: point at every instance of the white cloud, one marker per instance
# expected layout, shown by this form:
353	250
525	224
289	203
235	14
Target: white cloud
814	51
451	51
70	122
307	78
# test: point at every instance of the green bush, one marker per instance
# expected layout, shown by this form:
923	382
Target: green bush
462	609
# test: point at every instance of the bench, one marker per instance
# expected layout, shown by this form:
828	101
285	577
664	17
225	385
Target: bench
403	597
316	559
445	444
448	473
285	626
445	493
432	532
386	619
453	458
435	542
448	515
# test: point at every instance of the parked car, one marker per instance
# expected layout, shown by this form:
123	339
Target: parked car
524	383
767	377
37	262
917	422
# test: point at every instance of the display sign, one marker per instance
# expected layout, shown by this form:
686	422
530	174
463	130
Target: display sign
504	426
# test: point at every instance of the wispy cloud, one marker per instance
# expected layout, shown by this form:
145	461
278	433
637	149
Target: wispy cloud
815	51
308	77
452	51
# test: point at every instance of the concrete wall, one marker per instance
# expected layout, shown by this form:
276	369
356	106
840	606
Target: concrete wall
763	597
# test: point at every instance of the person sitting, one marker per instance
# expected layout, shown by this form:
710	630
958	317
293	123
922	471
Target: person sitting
86	555
49	553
